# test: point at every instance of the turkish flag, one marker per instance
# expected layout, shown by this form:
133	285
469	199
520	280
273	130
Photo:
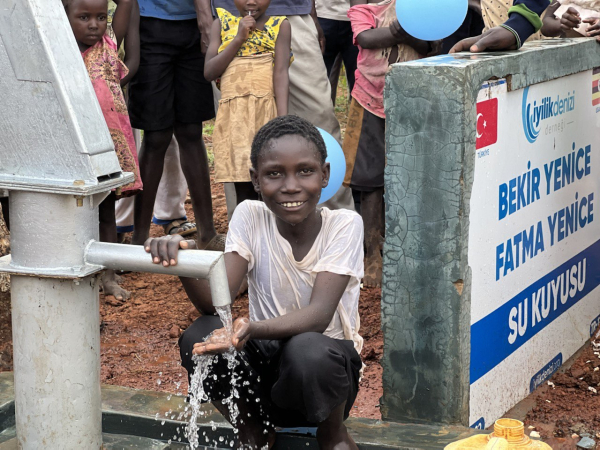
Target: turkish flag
487	123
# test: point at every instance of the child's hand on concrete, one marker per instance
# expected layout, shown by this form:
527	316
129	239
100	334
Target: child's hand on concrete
497	38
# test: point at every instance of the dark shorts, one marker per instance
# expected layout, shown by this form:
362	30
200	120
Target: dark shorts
339	40
364	149
169	85
297	381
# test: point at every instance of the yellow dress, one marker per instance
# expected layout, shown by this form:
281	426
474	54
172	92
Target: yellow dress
247	97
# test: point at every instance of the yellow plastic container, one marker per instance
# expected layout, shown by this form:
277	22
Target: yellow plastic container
509	434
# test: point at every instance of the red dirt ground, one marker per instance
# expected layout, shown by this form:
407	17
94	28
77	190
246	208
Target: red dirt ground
569	405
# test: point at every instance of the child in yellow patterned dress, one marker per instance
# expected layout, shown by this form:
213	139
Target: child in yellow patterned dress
251	56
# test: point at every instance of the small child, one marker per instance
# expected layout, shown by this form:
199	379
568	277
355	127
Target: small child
88	20
251	55
564	19
381	42
301	345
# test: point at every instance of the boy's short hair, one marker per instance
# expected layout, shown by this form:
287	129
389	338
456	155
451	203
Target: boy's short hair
284	126
67	3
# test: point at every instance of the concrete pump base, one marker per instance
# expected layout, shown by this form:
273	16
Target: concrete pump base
129	422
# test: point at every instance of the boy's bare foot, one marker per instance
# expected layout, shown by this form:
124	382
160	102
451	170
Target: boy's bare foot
373	270
332	434
110	286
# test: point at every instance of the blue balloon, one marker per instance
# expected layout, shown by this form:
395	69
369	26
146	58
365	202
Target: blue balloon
431	20
337	162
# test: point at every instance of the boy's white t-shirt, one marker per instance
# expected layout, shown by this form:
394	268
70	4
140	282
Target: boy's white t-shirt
278	284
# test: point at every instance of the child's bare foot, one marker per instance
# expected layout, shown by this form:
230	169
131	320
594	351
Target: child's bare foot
332	434
373	270
110	286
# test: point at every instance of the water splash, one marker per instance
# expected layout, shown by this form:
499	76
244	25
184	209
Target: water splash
202	371
198	395
224	313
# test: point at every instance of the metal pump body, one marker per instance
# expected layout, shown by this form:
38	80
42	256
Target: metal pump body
57	162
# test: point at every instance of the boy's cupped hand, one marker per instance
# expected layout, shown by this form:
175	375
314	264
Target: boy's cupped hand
164	249
220	341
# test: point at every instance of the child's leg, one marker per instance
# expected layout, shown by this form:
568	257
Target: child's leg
151	160
371	210
317	382
108	233
194	163
333	434
245	191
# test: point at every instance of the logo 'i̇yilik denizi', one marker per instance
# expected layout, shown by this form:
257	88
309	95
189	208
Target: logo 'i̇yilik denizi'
534	113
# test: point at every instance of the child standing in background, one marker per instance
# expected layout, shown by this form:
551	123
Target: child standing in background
89	20
251	55
381	42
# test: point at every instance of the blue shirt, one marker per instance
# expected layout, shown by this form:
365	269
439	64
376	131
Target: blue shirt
168	9
276	8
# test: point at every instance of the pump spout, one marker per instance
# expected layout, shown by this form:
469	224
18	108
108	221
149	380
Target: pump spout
219	285
191	263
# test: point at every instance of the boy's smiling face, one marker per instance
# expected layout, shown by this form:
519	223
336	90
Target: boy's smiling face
290	177
88	19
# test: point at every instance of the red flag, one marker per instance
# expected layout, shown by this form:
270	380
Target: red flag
487	123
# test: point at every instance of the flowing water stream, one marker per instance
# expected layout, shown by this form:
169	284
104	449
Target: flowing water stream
202	372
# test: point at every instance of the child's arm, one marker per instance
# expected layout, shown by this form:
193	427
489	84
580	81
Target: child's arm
205	20
216	63
132	44
390	36
316	317
320	33
164	251
120	23
324	300
281	76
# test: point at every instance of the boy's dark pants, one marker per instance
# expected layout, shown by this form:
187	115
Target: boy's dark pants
297	381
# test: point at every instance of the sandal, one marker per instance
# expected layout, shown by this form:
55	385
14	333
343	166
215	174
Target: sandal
180	227
217	244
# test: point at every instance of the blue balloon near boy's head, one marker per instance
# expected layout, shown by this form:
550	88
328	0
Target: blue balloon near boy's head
337	163
431	20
